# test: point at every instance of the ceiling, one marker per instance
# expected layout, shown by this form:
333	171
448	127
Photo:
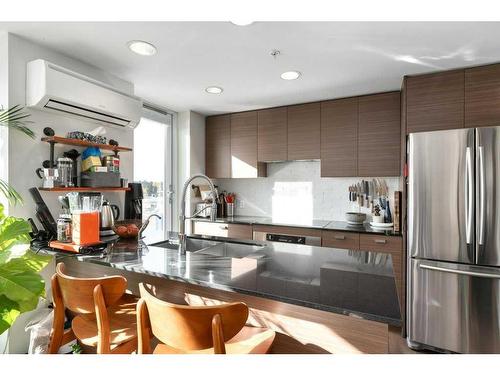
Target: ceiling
337	59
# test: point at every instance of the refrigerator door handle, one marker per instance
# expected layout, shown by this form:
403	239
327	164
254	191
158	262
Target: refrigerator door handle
482	195
468	196
434	267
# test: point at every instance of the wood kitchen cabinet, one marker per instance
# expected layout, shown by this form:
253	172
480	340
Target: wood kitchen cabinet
218	146
340	239
272	134
244	146
339	138
435	101
392	245
482	96
208	228
304	131
379	135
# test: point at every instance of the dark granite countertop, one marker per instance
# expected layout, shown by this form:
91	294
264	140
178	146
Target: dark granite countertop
364	228
314	224
341	281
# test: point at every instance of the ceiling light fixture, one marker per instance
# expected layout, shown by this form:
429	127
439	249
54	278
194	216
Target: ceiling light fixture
214	90
292	74
241	22
141	47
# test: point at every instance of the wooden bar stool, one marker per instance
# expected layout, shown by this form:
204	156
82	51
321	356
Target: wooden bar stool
105	317
181	329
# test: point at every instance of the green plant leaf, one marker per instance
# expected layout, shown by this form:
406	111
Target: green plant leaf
13	231
9	311
15	118
20	284
10	193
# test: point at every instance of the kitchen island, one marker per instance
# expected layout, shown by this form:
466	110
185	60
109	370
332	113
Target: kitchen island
317	299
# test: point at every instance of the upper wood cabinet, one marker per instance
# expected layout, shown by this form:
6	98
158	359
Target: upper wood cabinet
244	146
339	137
482	96
218	146
304	131
435	101
272	134
379	135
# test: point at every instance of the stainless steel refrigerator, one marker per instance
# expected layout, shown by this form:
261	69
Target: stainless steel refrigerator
454	240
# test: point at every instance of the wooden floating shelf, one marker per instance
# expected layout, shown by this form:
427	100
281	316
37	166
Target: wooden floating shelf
79	143
68	189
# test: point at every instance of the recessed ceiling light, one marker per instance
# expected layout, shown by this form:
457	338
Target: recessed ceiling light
241	22
141	48
214	90
292	74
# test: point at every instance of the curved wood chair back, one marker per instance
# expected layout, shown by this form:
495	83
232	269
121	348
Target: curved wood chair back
78	293
190	327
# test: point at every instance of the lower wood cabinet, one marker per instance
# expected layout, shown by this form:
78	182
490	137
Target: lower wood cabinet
340	239
392	245
208	228
240	231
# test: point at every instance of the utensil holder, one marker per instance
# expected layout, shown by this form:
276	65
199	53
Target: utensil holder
230	209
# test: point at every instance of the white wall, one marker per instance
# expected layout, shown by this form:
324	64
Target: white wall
191	152
4	101
295	192
26	155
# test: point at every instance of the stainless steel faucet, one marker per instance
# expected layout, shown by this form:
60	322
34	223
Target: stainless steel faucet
145	224
182	216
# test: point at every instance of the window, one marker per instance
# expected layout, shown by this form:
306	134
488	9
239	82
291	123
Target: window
153	168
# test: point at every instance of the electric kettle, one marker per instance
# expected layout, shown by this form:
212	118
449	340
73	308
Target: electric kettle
109	213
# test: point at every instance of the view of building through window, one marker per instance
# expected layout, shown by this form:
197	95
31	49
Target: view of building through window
152	169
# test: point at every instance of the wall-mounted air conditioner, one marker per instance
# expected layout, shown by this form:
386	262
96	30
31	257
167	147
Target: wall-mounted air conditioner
54	88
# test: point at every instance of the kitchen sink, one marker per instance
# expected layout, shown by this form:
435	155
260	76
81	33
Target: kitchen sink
217	248
192	244
234	250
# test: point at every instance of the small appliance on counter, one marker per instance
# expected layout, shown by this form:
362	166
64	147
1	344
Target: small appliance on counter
133	201
109	214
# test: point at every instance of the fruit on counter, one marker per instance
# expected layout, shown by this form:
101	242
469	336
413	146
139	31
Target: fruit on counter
132	230
126	230
121	230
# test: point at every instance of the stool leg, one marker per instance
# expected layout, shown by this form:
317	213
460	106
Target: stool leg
103	330
57	333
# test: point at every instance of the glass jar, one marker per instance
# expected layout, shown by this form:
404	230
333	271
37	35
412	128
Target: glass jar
65	169
64	229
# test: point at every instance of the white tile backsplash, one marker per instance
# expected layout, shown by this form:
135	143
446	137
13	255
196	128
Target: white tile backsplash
294	191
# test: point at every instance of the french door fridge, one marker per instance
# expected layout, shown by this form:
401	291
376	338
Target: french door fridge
454	240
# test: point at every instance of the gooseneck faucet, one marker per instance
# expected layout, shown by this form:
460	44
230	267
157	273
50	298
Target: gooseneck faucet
182	216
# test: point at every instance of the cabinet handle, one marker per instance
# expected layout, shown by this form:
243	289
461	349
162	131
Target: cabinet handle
380	241
340	237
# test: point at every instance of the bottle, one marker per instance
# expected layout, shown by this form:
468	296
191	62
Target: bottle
64	228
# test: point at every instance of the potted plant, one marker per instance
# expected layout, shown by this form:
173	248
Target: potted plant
21	286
